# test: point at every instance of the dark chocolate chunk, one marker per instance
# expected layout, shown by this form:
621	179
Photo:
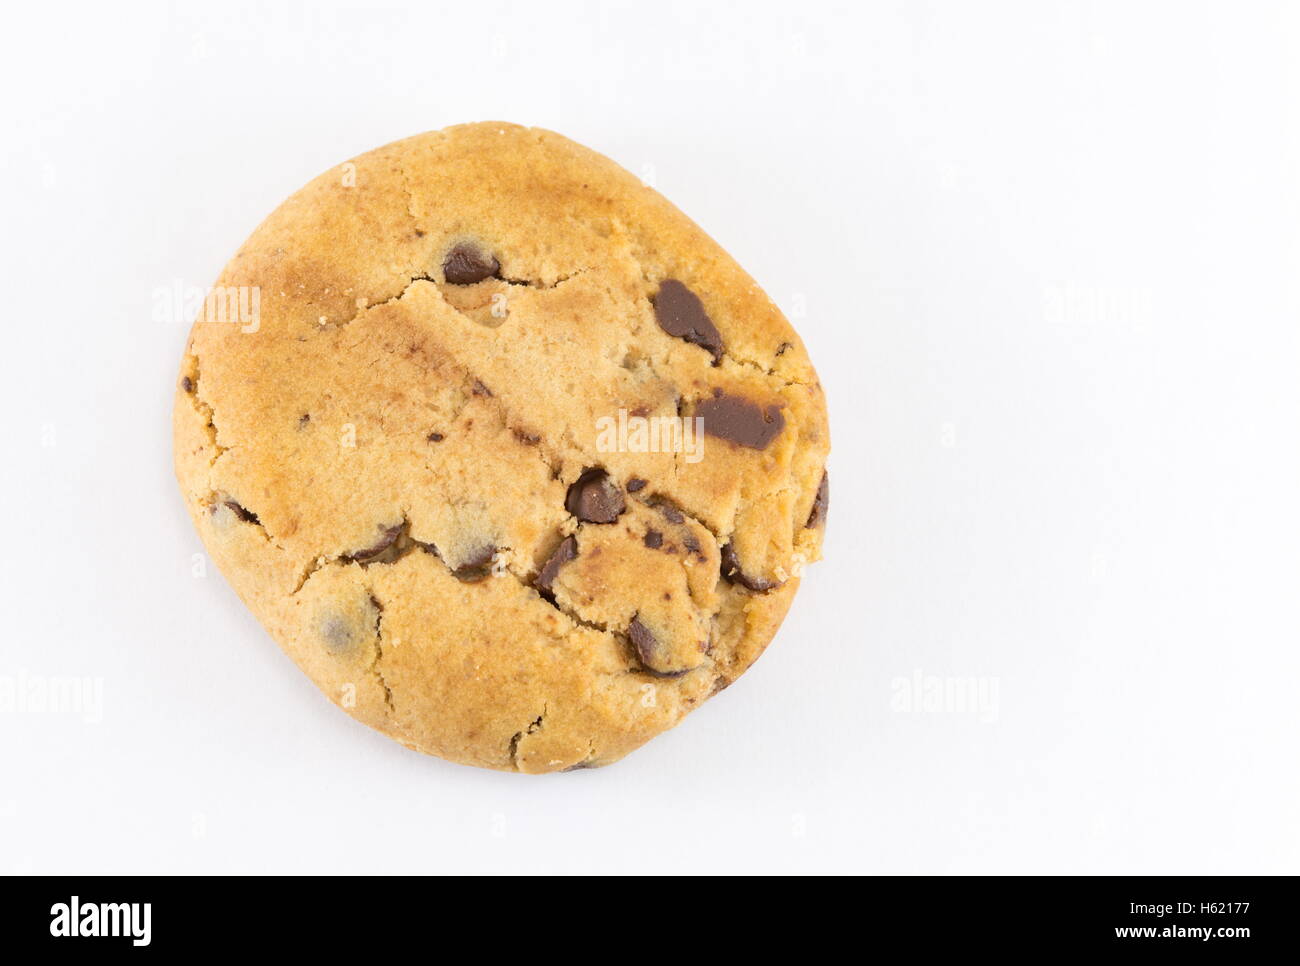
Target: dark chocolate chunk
739	420
436	437
595	498
680	313
187	384
635	485
566	551
478	566
386	539
644	642
654	539
466	264
734	575
821	503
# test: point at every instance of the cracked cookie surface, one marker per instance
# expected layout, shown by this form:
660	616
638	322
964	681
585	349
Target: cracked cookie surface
514	461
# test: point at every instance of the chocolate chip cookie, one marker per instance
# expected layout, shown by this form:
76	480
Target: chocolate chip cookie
509	456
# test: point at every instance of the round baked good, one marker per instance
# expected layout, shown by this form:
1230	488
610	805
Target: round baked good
439	424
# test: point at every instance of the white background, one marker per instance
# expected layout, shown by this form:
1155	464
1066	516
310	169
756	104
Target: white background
1045	258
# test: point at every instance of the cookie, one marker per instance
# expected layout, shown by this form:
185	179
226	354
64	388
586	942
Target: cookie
507	455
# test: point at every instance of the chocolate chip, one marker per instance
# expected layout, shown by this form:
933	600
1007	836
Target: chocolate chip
670	513
739	420
337	633
734	575
821	503
466	264
595	498
386	539
303	420
435	437
635	485
680	313
246	515
566	551
478	566
481	390
691	543
650	651
187	384
654	539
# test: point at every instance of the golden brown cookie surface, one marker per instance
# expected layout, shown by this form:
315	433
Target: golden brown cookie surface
446	444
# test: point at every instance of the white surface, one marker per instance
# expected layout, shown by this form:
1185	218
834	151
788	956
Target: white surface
1044	257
